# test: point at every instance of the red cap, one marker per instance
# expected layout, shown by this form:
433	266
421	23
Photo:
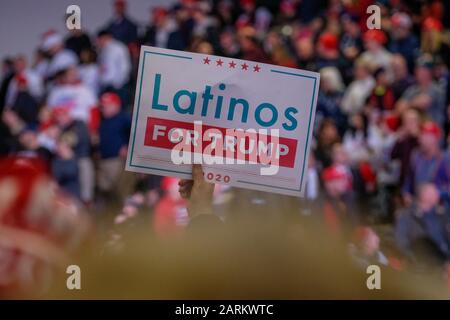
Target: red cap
431	23
361	233
328	40
431	128
159	12
401	19
287	6
21	81
375	35
110	98
392	122
168	182
367	173
247	2
334	172
60	110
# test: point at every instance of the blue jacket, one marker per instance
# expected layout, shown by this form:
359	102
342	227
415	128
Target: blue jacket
114	133
414	225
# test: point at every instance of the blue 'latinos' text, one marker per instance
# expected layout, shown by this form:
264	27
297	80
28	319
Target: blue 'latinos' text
269	110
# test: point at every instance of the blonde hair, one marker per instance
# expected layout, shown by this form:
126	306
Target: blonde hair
333	76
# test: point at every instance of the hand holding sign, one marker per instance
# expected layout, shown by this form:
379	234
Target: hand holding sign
242	120
198	191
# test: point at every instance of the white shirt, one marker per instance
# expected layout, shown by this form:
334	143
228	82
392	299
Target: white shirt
115	65
90	76
60	61
356	94
79	98
41	68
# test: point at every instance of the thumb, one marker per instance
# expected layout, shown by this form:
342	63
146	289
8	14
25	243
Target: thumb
197	172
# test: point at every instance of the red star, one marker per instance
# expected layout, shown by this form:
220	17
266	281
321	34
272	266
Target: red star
206	60
219	62
244	66
256	68
232	64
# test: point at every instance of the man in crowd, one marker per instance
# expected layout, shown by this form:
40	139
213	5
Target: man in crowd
72	147
429	164
60	57
423	221
114	134
121	26
425	95
24	74
115	65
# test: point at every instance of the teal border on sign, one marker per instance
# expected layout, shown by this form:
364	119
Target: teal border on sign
240	181
138	108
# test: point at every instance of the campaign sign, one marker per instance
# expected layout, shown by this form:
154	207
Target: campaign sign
249	124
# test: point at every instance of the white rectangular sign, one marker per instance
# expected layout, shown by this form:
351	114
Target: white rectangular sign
248	123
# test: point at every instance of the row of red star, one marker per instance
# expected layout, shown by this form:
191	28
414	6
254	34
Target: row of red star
232	64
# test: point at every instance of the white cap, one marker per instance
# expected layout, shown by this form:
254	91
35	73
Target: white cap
51	40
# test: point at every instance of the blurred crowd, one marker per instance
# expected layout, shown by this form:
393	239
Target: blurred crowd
379	170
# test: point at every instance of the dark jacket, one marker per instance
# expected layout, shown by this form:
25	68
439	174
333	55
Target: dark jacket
414	225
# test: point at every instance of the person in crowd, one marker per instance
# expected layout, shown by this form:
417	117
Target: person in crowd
429	164
327	49
52	227
73	165
64	166
376	54
228	45
170	213
89	70
351	44
403	41
382	98
247	13
402	79
279	53
355	139
25	105
365	248
423	221
162	31
327	136
78	41
6	76
341	159
27	77
304	51
71	93
425	95
114	134
121	27
407	141
225	11
205	25
40	63
339	206
330	96
60	57
431	39
115	65
359	89
250	46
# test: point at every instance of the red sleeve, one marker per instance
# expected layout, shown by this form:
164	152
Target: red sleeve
94	119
